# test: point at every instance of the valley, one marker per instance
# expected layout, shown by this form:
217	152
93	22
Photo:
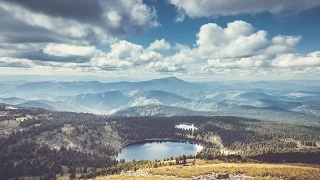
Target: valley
84	130
66	143
159	89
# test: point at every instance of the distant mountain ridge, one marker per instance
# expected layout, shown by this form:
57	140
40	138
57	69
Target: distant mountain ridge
269	100
170	84
156	110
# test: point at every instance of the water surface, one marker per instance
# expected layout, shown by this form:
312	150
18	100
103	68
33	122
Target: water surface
151	150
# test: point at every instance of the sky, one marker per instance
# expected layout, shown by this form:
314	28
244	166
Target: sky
144	39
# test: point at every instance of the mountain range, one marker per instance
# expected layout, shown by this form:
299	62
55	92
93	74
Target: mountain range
171	96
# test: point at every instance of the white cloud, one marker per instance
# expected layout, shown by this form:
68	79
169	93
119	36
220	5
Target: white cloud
165	66
213	34
212	8
297	60
237	49
15	62
70	50
238	39
57	30
126	54
141	14
161	44
124	50
286	40
279	61
68	29
102	20
249	62
240	48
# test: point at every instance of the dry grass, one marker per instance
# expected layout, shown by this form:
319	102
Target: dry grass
120	177
250	169
140	178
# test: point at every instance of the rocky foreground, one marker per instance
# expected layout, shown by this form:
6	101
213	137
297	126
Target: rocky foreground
141	174
226	171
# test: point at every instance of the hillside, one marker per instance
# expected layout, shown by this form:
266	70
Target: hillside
204	170
156	110
37	142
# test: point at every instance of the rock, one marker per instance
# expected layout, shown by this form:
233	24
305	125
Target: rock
223	176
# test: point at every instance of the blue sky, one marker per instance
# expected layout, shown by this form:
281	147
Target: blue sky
191	39
305	23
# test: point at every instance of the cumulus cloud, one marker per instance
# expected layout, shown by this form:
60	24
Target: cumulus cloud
239	39
15	63
247	62
239	47
212	8
165	66
161	44
34	36
67	31
279	61
69	50
126	54
297	60
82	16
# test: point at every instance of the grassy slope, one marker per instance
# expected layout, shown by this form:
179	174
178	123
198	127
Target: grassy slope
254	170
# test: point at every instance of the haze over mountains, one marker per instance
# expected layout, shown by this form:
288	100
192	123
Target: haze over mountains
171	96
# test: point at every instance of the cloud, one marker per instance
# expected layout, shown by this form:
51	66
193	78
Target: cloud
39	55
238	45
113	17
122	55
279	61
248	62
126	54
239	39
212	8
69	50
67	31
297	60
35	37
161	44
241	48
15	63
165	66
272	73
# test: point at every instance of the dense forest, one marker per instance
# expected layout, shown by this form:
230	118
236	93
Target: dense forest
47	144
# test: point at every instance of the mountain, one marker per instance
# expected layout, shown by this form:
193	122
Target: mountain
268	85
162	97
170	84
6	85
36	104
268	100
107	100
280	104
310	108
156	110
28	90
58	106
255	96
12	100
117	99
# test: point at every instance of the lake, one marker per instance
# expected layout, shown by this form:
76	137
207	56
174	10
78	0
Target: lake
151	150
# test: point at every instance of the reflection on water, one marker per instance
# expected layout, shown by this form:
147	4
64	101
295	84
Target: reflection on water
158	150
